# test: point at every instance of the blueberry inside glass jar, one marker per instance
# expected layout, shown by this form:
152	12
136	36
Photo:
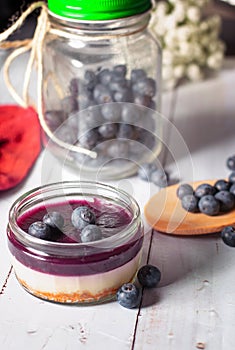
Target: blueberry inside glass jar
63	267
102	86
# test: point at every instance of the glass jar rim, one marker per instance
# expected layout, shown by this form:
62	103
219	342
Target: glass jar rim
71	249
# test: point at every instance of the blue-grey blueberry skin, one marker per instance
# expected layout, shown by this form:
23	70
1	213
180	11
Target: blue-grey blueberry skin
149	276
90	79
89	139
228	236
231	178
120	69
209	205
146	86
102	94
204	189
190	203
231	162
183	190
91	233
226	199
40	230
130	113
145	170
104	76
54	219
125	131
232	189
137	74
222	185
128	296
82	216
111	112
159	177
108	130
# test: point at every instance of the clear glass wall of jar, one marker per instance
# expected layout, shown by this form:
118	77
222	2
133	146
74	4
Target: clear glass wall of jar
101	91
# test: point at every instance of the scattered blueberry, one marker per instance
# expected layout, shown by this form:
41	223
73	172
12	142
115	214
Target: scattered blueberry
82	216
149	276
209	205
228	236
91	233
40	230
159	177
128	296
226	199
232	177
145	171
232	189
204	189
190	203
54	219
222	185
184	190
231	162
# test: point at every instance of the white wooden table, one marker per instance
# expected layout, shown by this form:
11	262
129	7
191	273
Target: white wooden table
194	305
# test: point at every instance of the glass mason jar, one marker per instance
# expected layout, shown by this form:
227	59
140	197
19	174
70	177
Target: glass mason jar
102	86
62	267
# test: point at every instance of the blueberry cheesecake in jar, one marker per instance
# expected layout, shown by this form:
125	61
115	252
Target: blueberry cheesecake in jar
75	242
102	86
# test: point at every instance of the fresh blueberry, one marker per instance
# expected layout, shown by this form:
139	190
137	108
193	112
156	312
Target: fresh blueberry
149	276
40	230
108	130
66	134
231	162
118	149
90	79
118	83
222	185
104	76
89	138
130	113
228	236
54	219
102	94
91	233
145	171
126	131
226	199
204	189
128	296
142	100
190	203
159	177
146	86
137	74
232	189
120	69
232	177
69	104
111	111
209	205
124	95
82	216
184	190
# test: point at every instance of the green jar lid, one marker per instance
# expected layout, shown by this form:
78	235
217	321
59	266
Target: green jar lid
98	10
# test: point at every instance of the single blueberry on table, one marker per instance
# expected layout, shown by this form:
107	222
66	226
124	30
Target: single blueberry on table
231	162
40	230
145	170
91	233
82	216
226	199
54	219
204	189
128	296
232	177
190	203
228	236
209	205
222	185
159	177
149	276
183	190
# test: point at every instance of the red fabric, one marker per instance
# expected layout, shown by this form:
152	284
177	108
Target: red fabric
20	144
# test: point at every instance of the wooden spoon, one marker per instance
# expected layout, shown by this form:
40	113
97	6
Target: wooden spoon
164	213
